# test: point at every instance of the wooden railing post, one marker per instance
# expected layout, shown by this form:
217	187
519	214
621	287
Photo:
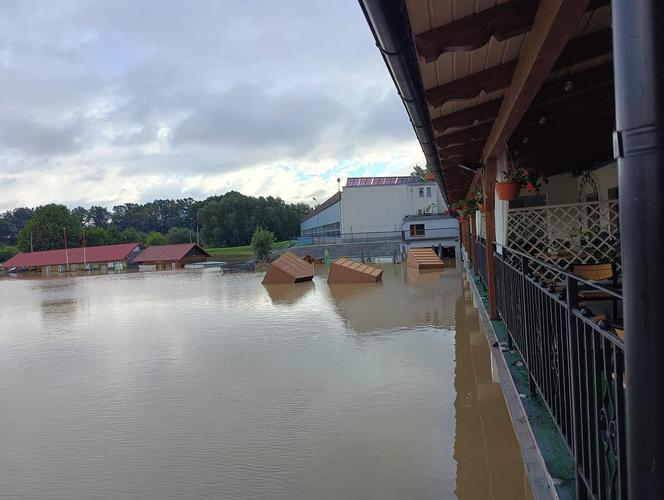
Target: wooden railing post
489	203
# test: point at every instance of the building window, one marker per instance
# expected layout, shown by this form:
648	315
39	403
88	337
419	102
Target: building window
429	192
421	192
417	229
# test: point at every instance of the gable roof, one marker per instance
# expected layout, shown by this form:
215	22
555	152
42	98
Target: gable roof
158	253
102	253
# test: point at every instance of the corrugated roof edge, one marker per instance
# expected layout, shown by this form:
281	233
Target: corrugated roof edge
336	197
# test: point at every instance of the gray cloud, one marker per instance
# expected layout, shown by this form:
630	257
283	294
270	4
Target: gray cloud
188	88
33	138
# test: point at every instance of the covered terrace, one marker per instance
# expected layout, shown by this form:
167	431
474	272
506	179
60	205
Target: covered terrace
571	91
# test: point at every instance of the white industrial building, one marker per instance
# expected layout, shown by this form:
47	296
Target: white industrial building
403	208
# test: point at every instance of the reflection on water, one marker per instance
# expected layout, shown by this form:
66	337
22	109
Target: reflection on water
488	463
201	385
288	294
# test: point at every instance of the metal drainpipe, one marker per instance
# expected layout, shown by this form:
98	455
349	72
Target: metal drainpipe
638	48
390	26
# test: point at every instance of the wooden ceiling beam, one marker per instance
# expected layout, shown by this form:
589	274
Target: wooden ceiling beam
554	23
585	48
488	80
472	32
574	104
484	112
584	119
501	22
472	134
462	151
552	90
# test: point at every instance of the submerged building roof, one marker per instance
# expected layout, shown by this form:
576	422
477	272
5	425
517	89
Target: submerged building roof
168	253
102	253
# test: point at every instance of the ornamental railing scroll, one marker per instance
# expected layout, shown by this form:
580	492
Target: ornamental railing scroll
575	363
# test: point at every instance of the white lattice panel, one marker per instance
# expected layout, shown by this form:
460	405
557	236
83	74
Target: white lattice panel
563	234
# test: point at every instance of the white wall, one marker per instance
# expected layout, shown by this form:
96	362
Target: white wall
382	208
564	188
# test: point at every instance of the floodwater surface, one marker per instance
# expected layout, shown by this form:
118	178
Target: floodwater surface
189	384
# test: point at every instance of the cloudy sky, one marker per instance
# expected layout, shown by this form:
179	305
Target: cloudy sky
105	102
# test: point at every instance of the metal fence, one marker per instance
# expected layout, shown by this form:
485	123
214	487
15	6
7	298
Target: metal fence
576	363
380	236
480	247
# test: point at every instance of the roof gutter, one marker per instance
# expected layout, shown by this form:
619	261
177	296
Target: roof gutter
390	25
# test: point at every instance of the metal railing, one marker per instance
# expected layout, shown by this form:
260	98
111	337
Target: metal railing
445	233
575	361
480	246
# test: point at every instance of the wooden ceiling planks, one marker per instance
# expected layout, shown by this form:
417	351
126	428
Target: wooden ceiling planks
466	71
553	25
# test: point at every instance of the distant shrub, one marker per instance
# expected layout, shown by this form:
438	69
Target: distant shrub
261	242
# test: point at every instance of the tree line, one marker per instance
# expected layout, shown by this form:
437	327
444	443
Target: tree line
226	220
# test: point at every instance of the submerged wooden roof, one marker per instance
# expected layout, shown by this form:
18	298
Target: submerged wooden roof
288	268
345	270
423	259
535	73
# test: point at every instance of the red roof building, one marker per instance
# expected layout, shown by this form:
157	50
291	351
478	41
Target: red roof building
163	256
102	254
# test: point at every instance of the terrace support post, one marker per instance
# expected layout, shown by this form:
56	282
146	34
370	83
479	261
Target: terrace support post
490	217
473	243
638	48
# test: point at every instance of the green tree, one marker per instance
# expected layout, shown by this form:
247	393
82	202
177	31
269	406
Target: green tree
99	216
155	238
12	222
7	252
47	227
130	235
95	236
261	242
179	235
81	214
421	173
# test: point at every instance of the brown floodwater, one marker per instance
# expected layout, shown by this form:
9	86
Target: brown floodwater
189	384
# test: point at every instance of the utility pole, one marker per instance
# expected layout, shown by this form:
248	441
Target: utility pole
31	249
84	259
198	238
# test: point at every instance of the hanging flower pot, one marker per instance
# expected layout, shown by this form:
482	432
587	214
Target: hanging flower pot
507	191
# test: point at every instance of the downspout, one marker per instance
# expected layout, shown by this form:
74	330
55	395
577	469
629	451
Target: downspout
390	26
638	48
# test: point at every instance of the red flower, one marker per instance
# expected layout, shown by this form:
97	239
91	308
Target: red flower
462	219
530	186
